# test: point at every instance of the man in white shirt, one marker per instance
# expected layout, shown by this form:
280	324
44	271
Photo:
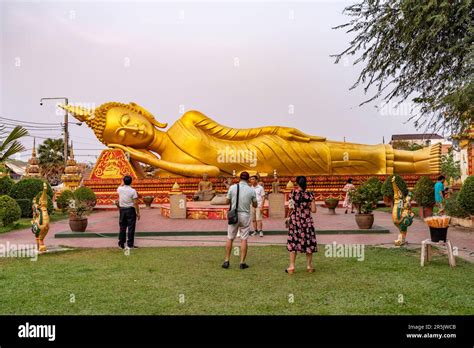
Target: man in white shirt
257	216
129	212
246	198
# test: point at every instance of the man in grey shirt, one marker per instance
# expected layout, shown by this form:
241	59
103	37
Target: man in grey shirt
247	197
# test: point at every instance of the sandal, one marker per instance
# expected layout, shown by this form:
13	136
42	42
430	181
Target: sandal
290	270
310	270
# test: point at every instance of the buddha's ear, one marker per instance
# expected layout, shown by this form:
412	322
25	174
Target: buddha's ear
149	116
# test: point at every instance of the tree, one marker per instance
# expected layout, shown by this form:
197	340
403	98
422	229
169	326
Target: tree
450	168
9	144
51	159
422	50
406	145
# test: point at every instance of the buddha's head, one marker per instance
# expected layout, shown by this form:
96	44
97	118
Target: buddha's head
117	123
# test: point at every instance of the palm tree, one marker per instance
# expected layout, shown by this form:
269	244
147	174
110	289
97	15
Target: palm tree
51	159
50	152
9	144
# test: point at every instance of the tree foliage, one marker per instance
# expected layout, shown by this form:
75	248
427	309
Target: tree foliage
418	50
51	159
9	144
450	168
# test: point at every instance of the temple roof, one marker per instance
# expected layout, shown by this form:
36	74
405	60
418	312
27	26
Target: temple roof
426	136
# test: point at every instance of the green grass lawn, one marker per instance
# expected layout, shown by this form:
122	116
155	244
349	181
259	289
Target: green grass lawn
26	222
151	281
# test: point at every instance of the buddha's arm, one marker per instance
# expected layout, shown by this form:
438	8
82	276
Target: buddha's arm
214	129
145	156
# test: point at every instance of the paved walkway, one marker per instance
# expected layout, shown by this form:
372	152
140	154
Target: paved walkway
152	221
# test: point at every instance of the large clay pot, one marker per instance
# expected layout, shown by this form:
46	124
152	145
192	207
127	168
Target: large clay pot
148	200
77	224
426	212
331	204
364	221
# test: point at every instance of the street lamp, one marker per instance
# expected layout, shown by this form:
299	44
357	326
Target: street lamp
66	127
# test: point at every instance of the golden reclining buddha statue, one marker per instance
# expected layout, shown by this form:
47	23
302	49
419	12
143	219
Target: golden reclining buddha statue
196	145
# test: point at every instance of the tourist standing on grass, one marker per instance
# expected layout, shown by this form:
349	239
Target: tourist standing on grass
129	212
301	234
257	213
348	187
439	193
246	198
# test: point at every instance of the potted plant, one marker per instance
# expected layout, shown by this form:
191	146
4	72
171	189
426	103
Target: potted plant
365	199
387	189
148	200
423	193
78	211
331	204
466	196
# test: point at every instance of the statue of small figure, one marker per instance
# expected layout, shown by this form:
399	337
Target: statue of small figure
205	191
40	221
275	183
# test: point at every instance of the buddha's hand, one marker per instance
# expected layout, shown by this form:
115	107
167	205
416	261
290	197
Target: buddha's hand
137	154
294	134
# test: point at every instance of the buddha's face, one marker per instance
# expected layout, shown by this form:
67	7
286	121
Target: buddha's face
128	127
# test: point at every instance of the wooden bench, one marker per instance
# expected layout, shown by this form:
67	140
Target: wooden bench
426	251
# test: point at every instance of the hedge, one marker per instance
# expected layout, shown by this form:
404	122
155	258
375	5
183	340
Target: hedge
86	195
28	189
9	210
423	193
466	195
25	207
387	188
62	200
6	184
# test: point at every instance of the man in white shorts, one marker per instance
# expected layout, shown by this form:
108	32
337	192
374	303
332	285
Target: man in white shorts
247	197
257	216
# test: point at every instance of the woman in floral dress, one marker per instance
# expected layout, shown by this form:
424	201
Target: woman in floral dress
348	187
301	235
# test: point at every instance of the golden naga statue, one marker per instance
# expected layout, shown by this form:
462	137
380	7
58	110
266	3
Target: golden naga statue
196	145
40	222
402	215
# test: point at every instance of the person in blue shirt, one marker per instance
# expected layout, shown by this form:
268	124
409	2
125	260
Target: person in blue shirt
439	193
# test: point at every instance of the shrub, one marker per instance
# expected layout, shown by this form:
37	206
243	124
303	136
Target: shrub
454	208
25	207
86	195
387	188
79	208
9	210
28	188
6	184
423	193
466	195
62	201
366	196
49	206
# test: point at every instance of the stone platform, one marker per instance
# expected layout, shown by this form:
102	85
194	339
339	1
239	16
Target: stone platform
204	210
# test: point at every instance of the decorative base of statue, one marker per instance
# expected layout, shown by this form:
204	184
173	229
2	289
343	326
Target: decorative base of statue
177	206
276	205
